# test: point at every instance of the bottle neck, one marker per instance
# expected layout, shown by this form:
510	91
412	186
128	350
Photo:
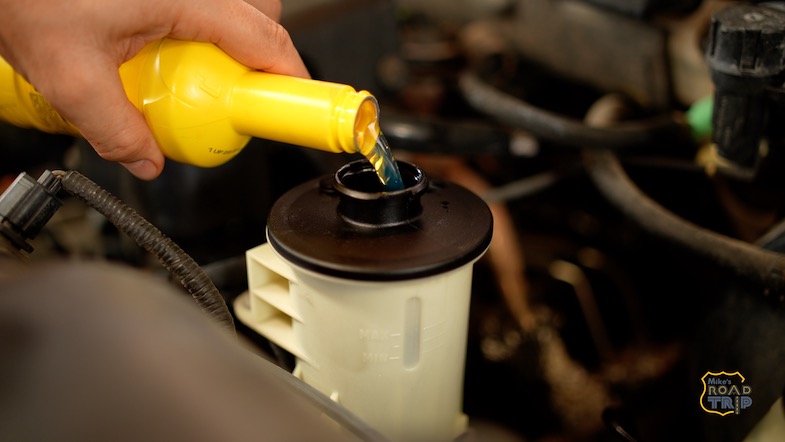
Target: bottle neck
322	115
361	128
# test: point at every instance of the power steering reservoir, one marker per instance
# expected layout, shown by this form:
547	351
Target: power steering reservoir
369	290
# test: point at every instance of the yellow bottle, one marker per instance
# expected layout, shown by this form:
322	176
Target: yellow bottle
203	106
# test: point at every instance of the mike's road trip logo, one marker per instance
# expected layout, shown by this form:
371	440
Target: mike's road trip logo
725	393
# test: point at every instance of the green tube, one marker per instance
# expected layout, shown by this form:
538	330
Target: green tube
699	117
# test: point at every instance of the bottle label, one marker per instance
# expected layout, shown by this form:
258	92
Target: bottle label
48	117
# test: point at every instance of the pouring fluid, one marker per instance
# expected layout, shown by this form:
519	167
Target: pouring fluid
203	106
381	157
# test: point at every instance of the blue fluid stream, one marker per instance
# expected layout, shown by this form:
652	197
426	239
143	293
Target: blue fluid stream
386	168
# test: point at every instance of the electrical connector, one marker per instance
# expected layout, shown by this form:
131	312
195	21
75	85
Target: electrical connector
26	206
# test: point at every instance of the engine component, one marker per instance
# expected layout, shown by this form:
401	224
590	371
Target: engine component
25	208
745	59
363	285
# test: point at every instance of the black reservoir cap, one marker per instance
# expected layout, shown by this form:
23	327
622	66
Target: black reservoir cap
347	226
747	40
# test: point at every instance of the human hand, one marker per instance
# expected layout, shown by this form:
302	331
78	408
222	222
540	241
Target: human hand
71	52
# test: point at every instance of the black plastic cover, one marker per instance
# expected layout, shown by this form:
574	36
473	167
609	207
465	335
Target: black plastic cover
745	55
747	40
346	226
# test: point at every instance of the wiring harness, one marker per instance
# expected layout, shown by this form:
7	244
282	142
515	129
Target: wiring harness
28	204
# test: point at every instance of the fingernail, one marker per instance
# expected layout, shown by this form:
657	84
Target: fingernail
143	169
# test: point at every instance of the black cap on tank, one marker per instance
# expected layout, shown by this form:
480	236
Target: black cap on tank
347	226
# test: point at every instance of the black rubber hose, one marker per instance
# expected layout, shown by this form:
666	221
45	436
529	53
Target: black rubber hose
435	135
187	272
758	265
566	131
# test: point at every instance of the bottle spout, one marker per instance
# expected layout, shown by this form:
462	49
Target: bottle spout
366	122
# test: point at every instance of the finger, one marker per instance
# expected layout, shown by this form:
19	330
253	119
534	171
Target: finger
246	34
96	104
270	8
